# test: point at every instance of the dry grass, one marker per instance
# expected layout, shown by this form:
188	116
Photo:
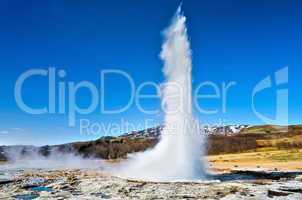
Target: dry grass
265	158
263	129
281	142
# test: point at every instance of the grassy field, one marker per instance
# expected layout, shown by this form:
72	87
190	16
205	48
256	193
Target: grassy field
264	158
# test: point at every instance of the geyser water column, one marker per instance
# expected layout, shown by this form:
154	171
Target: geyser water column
178	154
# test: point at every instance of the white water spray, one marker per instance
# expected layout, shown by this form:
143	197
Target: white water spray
178	154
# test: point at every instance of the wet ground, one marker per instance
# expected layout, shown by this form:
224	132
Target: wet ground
94	184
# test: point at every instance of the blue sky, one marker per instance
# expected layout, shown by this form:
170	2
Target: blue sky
231	40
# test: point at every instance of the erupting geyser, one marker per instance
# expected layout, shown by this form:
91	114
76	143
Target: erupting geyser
178	155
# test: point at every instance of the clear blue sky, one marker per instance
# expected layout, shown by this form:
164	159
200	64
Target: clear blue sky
232	40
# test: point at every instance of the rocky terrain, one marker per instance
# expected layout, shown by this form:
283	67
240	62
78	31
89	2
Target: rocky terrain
95	184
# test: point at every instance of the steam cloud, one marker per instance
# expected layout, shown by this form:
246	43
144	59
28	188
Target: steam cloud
178	154
20	157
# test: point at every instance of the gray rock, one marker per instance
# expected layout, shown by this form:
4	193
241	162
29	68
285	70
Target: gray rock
274	193
298	178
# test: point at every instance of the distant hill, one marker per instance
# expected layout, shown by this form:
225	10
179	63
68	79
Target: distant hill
227	139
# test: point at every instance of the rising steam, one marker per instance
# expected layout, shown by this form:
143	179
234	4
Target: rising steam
178	154
25	157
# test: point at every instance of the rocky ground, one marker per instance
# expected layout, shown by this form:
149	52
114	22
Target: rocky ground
94	184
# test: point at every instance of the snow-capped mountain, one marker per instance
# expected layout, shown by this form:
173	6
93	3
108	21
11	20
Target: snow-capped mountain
208	130
224	130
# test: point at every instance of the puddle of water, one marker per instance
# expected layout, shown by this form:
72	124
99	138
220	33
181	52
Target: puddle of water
26	196
102	195
36	180
41	188
4	175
